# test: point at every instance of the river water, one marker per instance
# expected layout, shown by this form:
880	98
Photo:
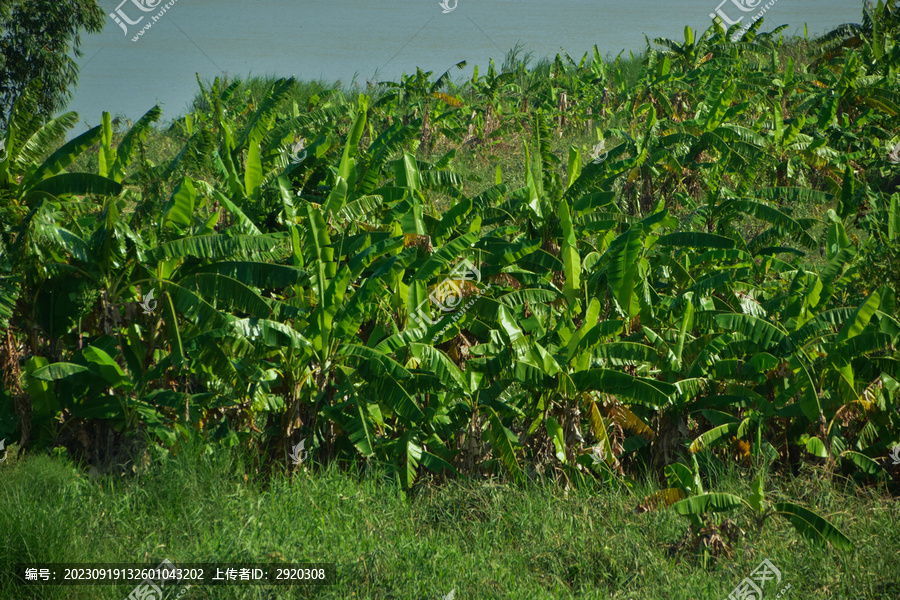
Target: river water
339	40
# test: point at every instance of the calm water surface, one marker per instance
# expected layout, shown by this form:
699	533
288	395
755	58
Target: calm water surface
374	39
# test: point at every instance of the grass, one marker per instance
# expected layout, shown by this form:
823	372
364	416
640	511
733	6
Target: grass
485	539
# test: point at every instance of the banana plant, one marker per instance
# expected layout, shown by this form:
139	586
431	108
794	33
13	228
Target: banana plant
29	187
686	496
692	52
875	36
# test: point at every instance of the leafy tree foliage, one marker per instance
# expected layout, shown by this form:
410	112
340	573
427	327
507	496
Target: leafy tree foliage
39	41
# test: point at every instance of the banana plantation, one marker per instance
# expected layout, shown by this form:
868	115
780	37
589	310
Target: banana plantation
714	282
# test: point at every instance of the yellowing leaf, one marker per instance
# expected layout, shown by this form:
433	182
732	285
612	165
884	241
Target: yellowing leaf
447	99
626	419
660	499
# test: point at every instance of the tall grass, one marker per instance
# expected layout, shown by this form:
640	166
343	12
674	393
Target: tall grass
486	540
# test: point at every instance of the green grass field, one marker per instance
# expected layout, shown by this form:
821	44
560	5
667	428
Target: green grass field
484	539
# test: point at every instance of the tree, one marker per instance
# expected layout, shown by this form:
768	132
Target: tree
39	41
